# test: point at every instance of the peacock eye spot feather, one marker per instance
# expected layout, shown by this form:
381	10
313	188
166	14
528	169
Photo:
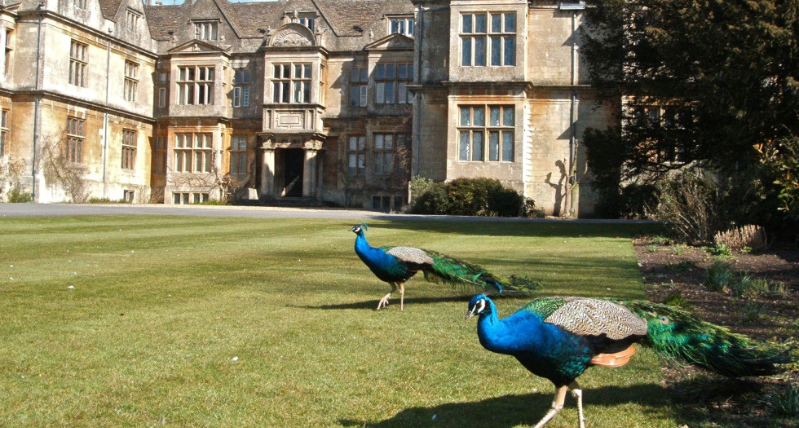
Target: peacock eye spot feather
664	320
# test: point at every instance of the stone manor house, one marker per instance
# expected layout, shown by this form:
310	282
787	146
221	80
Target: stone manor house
334	101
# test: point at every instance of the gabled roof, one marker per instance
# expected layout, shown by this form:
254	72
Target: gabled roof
391	42
251	17
163	19
345	15
192	47
109	8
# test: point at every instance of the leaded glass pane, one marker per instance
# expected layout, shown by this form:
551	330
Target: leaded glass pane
480	23
477	149
494	121
463	152
493	146
479	116
479	51
507	116
507	146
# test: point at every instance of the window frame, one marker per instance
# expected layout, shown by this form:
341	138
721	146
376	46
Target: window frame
383	155
238	156
129	145
390	86
9	50
131	81
401	25
75	138
356	155
195	83
480	39
78	62
3	130
359	86
159	155
207	30
191	149
241	88
287	86
496	142
132	18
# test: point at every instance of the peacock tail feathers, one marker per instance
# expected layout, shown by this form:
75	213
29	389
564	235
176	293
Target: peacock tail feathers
458	272
678	334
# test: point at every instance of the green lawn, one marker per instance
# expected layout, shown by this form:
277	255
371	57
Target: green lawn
228	322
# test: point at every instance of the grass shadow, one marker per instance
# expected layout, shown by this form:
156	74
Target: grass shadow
513	410
492	226
372	304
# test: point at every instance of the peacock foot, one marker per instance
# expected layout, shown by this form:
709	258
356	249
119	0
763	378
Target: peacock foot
383	302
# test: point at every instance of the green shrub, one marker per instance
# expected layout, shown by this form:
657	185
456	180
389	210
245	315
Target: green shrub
752	311
530	210
678	300
465	196
690	207
721	249
682	266
505	202
638	200
785	401
746	285
719	276
429	197
469	196
17	196
107	201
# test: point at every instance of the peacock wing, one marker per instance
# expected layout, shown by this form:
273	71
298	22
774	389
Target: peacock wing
543	306
411	255
592	317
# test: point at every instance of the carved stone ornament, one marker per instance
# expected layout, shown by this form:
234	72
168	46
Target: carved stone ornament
290	37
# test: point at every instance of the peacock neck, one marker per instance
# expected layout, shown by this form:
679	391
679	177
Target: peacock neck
361	246
509	335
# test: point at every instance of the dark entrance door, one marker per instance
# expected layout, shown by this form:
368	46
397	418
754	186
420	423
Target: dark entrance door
293	162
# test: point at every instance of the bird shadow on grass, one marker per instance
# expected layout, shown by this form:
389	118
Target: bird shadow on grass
372	304
513	410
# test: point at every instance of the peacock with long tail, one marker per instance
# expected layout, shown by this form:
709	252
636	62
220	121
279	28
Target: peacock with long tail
395	265
558	338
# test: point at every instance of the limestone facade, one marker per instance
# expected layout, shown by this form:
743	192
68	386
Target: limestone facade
338	101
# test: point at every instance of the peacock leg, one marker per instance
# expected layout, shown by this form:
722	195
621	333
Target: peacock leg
578	394
384	301
557	405
402	295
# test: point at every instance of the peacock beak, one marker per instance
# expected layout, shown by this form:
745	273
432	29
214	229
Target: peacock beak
470	314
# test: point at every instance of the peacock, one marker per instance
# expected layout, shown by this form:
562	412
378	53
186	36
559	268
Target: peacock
558	338
395	265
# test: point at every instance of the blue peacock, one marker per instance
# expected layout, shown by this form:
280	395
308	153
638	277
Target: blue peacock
395	265
558	338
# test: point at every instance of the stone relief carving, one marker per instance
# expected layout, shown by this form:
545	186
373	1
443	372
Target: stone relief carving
291	37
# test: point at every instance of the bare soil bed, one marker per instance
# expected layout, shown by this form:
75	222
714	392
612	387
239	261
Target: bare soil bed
706	400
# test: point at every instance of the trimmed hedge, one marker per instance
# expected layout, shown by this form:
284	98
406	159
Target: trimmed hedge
467	196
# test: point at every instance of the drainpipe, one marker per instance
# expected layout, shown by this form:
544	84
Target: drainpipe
417	98
37	102
571	183
105	113
418	77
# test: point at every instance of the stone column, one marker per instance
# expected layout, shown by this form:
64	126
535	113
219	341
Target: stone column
309	173
267	172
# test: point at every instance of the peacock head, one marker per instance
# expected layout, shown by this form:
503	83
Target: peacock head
358	230
478	305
